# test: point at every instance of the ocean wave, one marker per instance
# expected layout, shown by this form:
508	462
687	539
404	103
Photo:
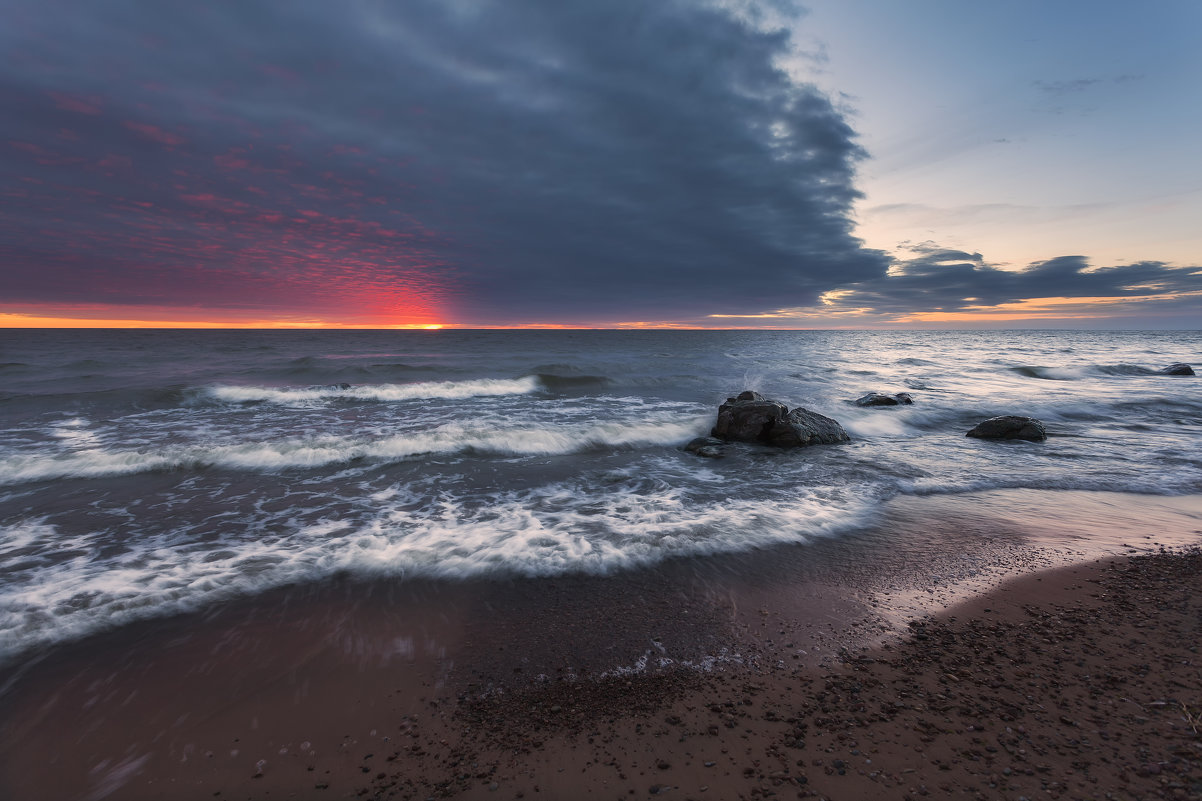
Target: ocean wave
1084	371
552	530
1123	369
313	452
400	366
448	390
555	382
1049	373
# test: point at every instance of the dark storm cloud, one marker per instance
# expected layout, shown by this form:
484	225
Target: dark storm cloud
520	160
940	279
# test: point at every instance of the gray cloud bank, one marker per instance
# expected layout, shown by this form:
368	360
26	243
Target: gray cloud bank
527	159
945	280
938	279
487	161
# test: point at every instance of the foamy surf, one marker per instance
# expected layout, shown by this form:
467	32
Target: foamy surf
542	532
142	475
292	453
447	390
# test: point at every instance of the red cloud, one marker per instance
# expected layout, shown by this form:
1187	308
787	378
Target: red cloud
155	133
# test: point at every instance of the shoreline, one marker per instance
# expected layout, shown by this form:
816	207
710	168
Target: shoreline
537	683
1036	688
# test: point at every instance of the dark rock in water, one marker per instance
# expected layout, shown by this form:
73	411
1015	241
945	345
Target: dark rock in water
1010	427
343	386
802	427
753	418
881	399
747	417
709	447
1180	368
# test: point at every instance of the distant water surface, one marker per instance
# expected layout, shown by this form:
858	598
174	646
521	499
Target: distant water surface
149	472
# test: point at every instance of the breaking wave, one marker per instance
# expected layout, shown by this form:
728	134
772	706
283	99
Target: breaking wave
449	390
1086	371
552	530
320	451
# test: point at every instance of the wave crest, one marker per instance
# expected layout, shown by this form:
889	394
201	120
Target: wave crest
313	452
448	390
1085	371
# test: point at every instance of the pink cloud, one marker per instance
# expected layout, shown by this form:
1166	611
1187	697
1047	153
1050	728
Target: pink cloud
75	103
155	133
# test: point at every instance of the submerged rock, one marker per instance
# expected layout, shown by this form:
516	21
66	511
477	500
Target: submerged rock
1180	368
751	417
709	447
1010	426
881	399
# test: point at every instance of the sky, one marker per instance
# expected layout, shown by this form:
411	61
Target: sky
683	163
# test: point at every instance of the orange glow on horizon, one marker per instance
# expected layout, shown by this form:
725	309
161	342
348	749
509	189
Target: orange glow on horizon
1055	308
1031	309
8	320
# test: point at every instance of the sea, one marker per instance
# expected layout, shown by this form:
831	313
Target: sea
147	473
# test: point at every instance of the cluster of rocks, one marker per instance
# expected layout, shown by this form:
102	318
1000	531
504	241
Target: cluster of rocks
750	417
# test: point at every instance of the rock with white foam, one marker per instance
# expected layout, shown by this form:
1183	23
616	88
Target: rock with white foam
751	417
1010	426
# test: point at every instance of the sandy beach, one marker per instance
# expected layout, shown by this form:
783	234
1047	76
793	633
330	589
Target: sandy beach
1033	669
1079	683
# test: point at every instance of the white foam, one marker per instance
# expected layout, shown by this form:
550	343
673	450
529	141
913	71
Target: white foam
887	423
449	390
18	467
652	661
24	534
75	434
481	436
551	530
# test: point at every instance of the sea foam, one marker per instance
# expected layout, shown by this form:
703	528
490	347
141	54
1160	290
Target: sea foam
376	392
286	453
545	531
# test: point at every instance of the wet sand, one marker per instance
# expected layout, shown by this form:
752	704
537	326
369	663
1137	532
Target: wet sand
997	645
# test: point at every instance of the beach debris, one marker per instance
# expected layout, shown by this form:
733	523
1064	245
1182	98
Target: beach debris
883	399
1193	718
750	417
1009	426
1180	368
709	447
